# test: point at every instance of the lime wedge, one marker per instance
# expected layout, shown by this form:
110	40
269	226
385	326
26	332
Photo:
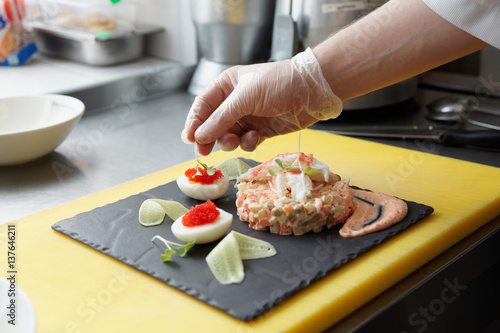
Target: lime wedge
225	261
152	211
232	168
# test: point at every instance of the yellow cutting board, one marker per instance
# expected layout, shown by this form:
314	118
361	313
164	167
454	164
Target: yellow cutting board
75	288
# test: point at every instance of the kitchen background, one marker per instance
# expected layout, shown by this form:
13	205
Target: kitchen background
297	24
176	44
126	134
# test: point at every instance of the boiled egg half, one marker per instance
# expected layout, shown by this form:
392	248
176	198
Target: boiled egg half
204	233
203	191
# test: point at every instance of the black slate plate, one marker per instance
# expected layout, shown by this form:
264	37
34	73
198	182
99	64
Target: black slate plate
114	229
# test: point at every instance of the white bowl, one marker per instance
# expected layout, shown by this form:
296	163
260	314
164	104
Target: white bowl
33	126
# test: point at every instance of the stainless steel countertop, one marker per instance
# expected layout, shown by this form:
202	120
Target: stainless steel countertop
106	148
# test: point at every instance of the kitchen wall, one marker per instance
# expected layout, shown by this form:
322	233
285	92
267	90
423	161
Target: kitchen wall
178	41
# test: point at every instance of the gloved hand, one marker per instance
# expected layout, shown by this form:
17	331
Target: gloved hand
247	104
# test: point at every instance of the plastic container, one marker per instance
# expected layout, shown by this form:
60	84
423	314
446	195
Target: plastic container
15	42
93	16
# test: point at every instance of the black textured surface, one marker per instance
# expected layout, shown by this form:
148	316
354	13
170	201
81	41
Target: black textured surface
114	229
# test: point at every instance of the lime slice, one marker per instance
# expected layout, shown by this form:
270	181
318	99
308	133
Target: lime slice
225	261
232	168
253	248
151	213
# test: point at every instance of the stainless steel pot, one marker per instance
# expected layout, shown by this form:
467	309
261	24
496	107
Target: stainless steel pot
316	20
232	31
229	32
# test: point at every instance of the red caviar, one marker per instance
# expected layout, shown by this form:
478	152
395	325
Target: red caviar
201	214
204	178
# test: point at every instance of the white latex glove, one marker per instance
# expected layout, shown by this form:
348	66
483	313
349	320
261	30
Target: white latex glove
247	104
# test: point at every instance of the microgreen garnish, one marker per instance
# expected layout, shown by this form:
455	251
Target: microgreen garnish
210	171
307	170
310	171
167	255
172	247
278	161
202	164
176	248
272	172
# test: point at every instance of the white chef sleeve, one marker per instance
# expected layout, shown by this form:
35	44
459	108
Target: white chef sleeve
480	18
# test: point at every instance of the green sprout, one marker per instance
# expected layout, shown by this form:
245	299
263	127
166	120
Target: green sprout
174	248
210	171
307	170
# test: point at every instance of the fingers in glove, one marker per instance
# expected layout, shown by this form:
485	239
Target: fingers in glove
199	111
228	142
250	140
205	104
204	149
224	119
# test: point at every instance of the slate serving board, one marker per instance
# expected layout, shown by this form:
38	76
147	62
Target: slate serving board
114	229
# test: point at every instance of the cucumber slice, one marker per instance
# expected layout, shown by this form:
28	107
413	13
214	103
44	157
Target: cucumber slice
173	209
225	261
152	211
253	248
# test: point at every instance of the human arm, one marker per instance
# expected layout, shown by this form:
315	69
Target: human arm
399	40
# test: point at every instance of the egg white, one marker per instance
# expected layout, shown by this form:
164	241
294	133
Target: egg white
205	233
201	191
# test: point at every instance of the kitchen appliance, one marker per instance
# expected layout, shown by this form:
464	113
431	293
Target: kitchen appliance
449	107
454	109
229	32
315	20
477	73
